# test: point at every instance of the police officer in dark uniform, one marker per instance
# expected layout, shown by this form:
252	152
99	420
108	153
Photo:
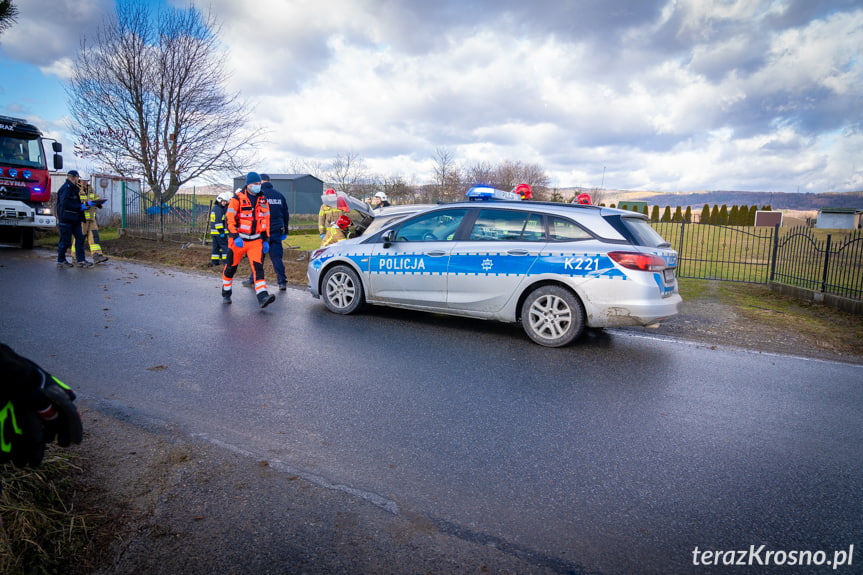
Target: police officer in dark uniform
70	215
279	217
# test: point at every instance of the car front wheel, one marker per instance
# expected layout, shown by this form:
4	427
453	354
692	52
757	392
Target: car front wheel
552	316
343	291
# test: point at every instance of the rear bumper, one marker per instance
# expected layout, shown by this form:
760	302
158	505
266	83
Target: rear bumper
634	314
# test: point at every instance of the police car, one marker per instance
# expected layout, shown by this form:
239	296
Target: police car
555	268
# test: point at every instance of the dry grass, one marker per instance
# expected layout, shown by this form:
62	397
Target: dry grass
41	532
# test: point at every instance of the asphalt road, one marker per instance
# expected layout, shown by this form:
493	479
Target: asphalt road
621	454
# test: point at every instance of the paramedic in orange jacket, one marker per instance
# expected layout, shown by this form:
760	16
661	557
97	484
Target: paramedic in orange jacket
248	222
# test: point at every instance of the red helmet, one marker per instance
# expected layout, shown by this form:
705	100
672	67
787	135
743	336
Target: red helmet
344	222
583	199
330	191
524	191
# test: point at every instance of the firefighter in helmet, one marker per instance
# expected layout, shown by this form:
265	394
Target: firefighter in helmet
218	231
524	191
327	215
90	225
337	231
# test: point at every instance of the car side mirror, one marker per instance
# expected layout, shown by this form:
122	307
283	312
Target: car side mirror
388	238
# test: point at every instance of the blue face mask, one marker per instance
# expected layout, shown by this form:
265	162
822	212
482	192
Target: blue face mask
255	188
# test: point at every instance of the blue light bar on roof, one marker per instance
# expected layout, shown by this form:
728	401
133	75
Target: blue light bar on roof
489	193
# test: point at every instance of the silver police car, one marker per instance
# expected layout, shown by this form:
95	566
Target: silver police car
555	268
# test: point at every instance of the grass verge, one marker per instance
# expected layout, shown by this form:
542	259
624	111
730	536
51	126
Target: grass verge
41	532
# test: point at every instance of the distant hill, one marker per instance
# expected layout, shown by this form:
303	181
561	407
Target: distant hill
777	200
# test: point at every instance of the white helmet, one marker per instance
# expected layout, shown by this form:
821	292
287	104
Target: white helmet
224	197
382	196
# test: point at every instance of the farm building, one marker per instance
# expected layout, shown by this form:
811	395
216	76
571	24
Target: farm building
302	191
840	218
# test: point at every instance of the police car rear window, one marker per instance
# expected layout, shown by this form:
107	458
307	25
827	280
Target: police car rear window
563	230
638	231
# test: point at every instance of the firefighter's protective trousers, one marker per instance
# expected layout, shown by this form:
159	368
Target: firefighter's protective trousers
254	250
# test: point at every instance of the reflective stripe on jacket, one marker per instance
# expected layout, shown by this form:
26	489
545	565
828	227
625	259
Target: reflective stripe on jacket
246	219
217	220
87	194
327	216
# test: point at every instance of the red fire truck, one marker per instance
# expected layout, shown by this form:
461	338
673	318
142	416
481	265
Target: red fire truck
25	186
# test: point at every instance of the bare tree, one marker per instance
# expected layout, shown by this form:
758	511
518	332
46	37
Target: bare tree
305	166
480	173
397	190
148	99
346	172
511	173
8	15
447	175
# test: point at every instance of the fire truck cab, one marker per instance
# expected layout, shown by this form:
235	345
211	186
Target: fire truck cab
25	185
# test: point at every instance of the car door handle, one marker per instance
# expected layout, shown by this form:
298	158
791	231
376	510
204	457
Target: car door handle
437	253
517	253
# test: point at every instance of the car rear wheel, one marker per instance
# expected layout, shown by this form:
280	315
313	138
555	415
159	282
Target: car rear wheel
552	316
343	291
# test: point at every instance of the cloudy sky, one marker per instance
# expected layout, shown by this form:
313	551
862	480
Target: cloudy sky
670	95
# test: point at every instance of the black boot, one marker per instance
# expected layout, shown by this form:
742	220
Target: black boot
265	299
226	296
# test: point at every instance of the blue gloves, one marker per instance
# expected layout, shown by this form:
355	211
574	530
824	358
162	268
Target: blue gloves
322	236
284	237
266	247
238	242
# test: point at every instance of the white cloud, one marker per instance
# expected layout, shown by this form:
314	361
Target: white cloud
660	94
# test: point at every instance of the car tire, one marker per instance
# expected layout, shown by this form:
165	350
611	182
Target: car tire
552	316
342	290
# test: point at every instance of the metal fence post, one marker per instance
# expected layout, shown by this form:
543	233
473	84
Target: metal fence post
826	264
775	253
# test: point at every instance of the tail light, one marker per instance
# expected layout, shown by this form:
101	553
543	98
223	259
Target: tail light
639	261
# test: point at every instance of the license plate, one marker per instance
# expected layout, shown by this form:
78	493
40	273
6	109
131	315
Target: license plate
668	275
8	222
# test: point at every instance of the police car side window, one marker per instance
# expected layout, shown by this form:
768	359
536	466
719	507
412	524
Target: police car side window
435	226
498	225
562	230
534	229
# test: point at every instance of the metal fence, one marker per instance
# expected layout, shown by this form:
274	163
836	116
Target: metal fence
181	217
818	260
